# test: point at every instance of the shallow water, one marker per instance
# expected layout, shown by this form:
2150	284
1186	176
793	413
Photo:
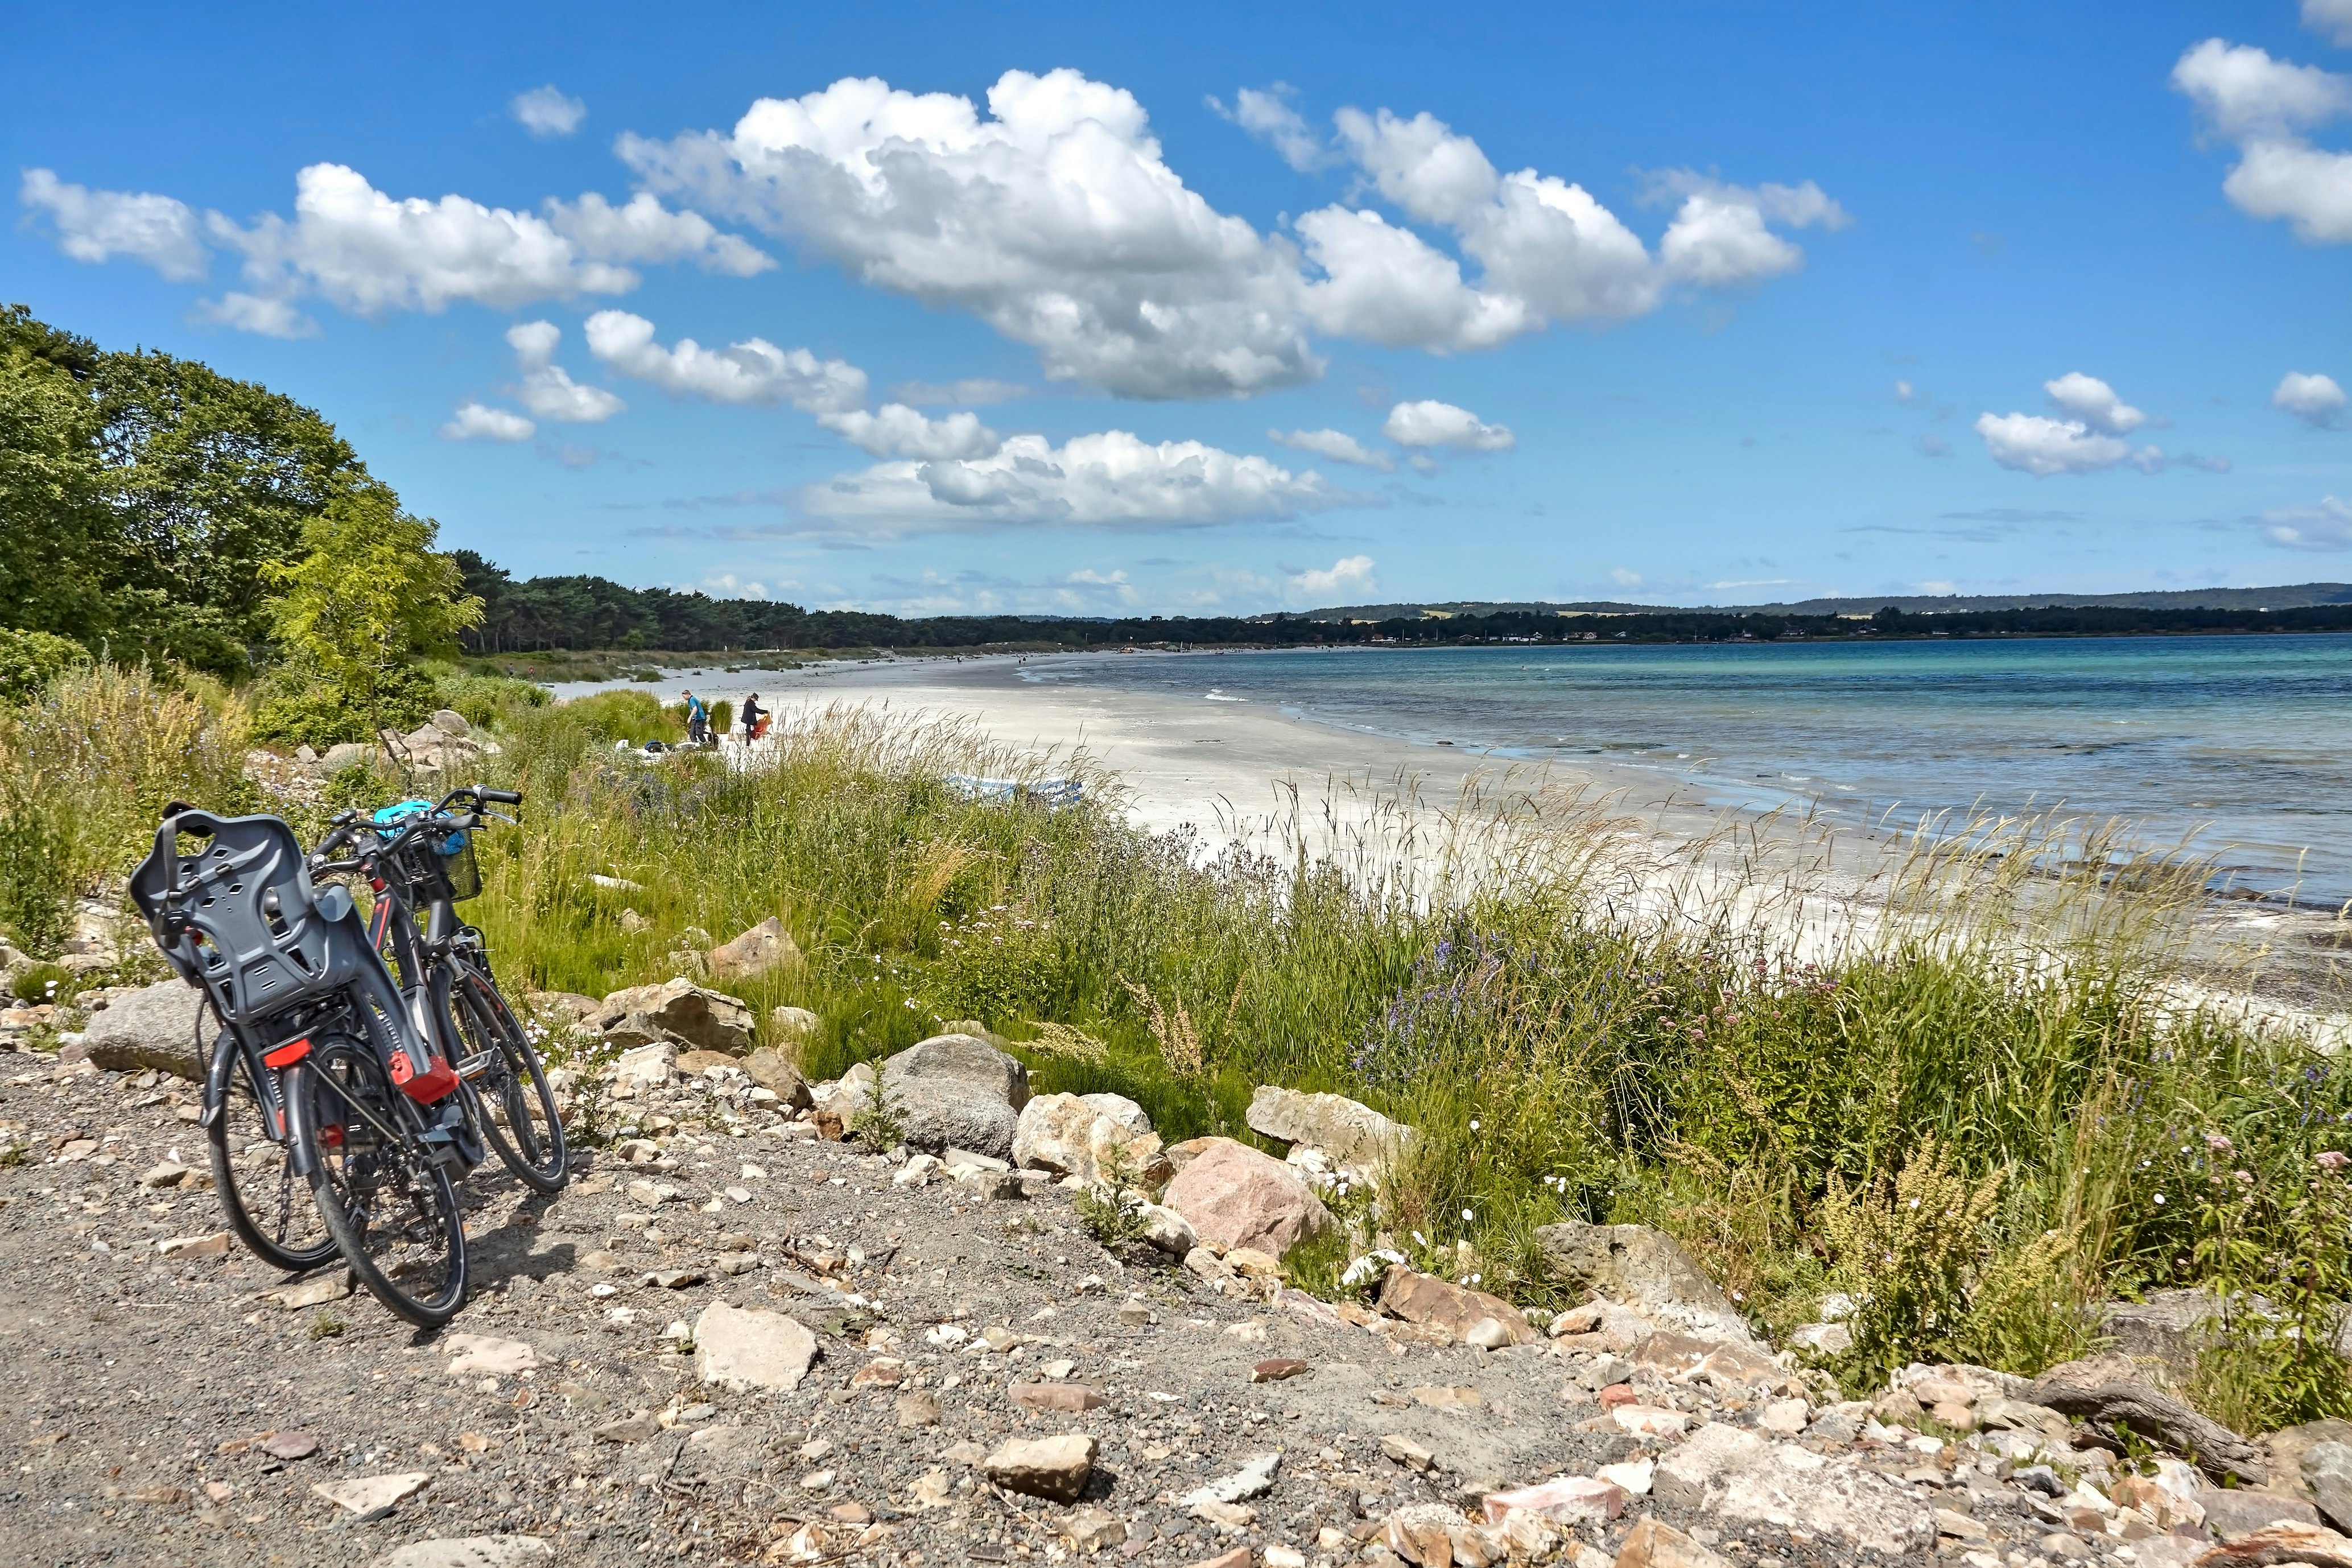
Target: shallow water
2244	741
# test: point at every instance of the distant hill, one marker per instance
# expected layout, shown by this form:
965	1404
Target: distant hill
2300	596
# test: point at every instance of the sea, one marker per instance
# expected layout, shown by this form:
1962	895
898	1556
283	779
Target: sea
2242	745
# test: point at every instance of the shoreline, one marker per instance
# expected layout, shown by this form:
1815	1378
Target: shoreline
1235	771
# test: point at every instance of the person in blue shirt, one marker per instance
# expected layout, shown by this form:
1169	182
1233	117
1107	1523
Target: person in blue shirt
698	718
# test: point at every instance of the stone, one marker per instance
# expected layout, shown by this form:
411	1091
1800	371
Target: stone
685	1010
1052	1467
170	1173
1235	1196
1423	1533
1649	1420
745	1348
2169	1328
2327	1471
1211	1269
1355	1137
1785	1418
2283	1543
1076	1135
288	1446
766	946
647	1065
1721	1364
369	1493
1571	1500
1645	1268
1280	1369
2234	1512
1631	1477
485	1354
794	1026
332	1285
771	1071
965	1060
470	1552
155	1026
1167	1230
1437	1396
449	722
216	1245
2288	1445
920	1408
1652	1543
1090	1529
347	755
1952	1525
1488	1334
1239	1557
1404	1451
632	1428
1745	1478
1824	1340
1254	1479
1068	1398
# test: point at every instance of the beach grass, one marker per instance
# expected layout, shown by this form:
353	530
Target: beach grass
1973	1094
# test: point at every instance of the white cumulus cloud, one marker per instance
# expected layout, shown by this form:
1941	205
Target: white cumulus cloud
895	430
2313	398
973	390
1107	480
1350	577
478	422
547	112
1054	218
546	389
370	253
1267	114
1430	422
2327	525
2042	447
2094	403
93	225
2265	105
2331	19
1334	445
751	371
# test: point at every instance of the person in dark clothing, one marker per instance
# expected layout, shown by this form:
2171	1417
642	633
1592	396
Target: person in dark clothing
752	714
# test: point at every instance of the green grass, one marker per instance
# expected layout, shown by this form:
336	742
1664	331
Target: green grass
1575	1030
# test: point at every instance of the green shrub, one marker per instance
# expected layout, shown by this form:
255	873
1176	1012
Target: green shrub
635	717
489	701
30	660
298	706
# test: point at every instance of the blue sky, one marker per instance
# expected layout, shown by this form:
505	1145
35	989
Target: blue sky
1085	309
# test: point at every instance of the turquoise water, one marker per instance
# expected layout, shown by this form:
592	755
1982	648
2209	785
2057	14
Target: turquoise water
2245	740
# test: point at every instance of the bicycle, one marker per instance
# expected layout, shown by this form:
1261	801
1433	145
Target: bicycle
420	871
328	1051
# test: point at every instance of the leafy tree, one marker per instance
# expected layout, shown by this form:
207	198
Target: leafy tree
53	520
369	592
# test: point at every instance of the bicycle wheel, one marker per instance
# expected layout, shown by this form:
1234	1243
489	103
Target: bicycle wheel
392	1210
521	1120
267	1210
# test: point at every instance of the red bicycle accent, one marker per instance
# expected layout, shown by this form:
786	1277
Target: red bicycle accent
287	1055
434	1082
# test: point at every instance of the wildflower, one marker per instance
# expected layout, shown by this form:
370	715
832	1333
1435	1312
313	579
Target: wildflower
1915	1203
2334	1160
1474	1124
2159	1198
1467	1217
1419	1239
2218	1146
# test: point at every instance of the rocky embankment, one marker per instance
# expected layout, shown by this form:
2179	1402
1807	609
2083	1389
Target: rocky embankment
738	1337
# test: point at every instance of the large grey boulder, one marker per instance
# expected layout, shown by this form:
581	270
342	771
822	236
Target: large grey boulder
154	1026
956	1091
1644	1269
1077	1136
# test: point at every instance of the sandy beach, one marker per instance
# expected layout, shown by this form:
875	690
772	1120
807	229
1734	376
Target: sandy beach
1235	771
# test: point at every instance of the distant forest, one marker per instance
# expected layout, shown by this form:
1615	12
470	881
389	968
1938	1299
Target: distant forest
594	613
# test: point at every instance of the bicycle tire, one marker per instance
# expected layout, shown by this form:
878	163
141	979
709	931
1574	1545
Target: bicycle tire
393	1210
267	1230
534	1150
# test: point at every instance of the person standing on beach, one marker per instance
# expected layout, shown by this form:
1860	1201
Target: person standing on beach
698	718
752	714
